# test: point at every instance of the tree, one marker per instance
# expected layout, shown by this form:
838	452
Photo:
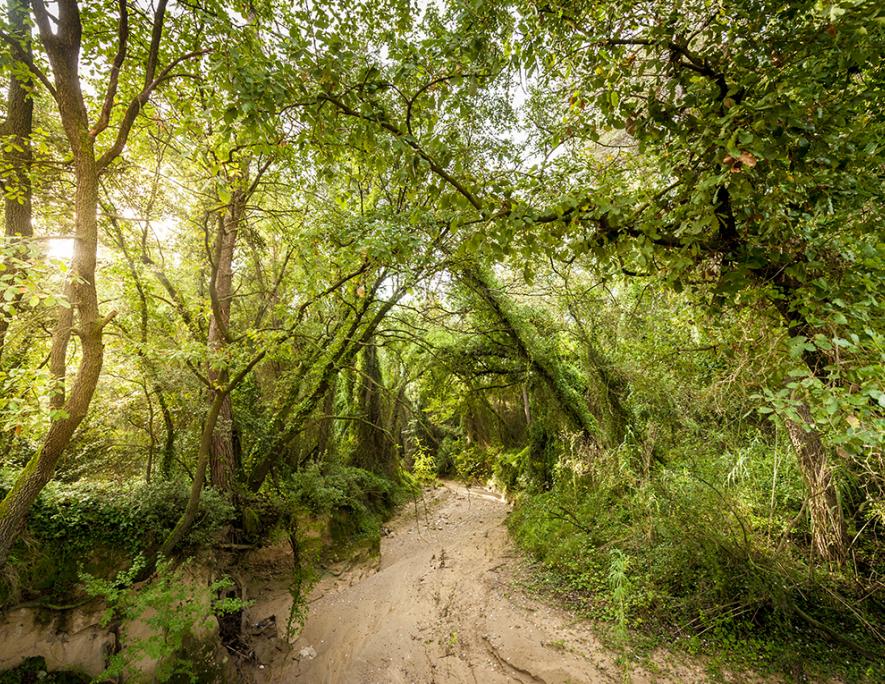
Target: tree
709	146
375	447
61	37
16	131
535	351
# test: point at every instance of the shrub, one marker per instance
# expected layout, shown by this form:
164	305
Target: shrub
473	464
325	488
444	459
698	550
510	467
424	467
99	525
178	615
129	516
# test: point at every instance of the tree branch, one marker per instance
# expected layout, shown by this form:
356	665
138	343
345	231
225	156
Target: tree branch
113	80
411	142
691	61
156	37
22	56
135	107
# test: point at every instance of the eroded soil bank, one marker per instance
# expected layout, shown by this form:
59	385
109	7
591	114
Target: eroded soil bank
442	606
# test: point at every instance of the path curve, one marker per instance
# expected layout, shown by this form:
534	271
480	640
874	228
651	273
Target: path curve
442	608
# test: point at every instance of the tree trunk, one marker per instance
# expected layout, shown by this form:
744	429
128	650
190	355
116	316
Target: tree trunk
526	406
325	434
203	455
374	446
827	517
610	390
222	465
68	411
534	350
17	129
222	462
827	523
152	445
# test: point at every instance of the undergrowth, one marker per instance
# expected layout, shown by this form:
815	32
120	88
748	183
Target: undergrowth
99	526
168	621
704	557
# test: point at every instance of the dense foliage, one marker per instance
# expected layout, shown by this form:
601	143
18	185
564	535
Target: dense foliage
268	267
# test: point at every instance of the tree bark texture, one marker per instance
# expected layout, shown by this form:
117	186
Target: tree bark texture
827	521
827	517
222	462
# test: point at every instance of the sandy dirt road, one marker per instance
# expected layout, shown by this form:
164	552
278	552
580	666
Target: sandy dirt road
442	608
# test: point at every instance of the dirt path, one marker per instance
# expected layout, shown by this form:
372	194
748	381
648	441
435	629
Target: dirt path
442	608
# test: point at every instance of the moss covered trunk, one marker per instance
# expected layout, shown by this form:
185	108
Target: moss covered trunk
535	350
222	461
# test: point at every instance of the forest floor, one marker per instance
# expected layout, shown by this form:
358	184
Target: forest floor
444	603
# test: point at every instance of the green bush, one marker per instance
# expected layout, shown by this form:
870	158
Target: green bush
159	505
175	615
509	469
444	458
356	499
425	467
473	464
323	488
454	457
86	514
99	526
